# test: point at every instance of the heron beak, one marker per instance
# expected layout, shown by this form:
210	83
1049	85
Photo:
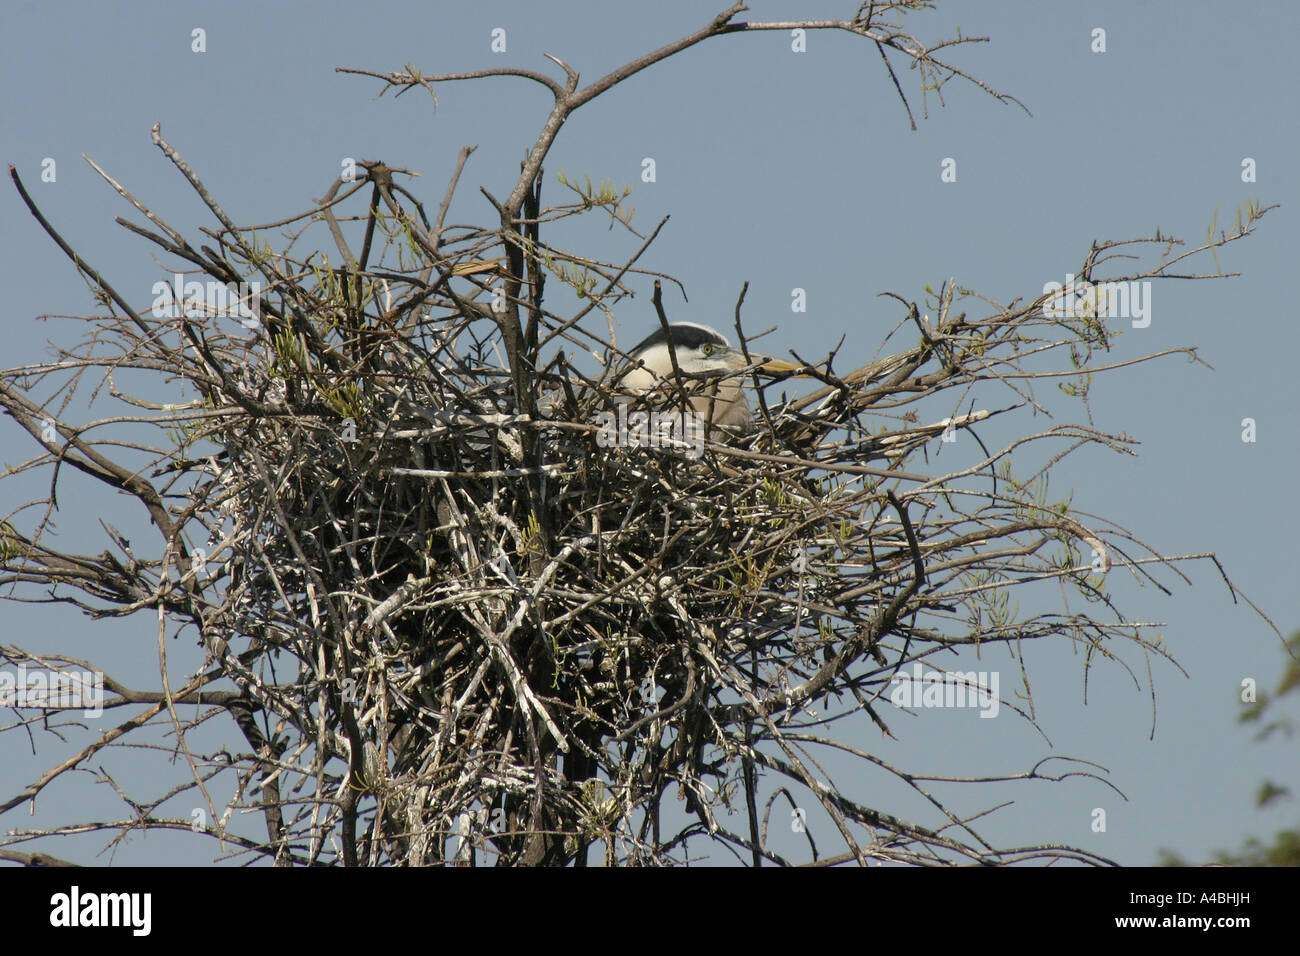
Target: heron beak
778	366
765	363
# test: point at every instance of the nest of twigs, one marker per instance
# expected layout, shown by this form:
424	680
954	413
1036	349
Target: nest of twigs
473	592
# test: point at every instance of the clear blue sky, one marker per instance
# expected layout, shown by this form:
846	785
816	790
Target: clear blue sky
787	170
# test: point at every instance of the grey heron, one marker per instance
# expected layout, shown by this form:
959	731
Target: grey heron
702	352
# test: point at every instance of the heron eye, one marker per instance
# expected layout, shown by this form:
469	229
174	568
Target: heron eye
706	349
